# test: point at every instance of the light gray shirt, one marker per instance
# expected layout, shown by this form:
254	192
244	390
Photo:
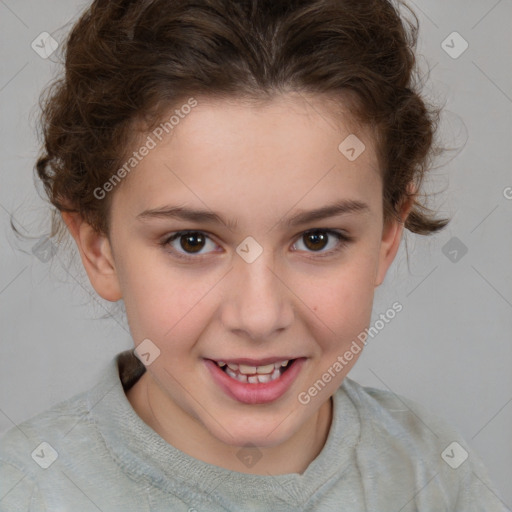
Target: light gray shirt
384	453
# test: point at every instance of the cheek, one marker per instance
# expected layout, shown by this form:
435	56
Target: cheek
341	302
168	306
342	311
156	298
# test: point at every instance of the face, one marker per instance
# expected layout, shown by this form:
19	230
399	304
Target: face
257	278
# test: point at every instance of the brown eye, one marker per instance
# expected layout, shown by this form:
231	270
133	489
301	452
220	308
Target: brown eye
315	240
192	242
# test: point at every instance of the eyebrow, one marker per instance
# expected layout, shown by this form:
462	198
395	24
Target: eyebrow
299	218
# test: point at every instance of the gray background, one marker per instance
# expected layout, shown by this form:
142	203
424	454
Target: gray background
449	349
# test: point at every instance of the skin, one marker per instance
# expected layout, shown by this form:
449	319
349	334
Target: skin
256	166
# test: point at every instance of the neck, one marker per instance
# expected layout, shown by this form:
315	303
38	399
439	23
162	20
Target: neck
191	437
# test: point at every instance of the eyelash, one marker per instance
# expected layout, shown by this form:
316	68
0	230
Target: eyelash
342	237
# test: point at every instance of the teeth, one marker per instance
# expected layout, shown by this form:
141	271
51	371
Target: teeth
252	370
269	368
236	376
254	379
247	370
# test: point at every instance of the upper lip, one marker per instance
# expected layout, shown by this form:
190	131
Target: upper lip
255	362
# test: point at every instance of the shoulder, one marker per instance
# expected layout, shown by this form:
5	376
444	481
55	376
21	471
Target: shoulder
65	439
29	448
397	414
402	440
53	423
393	423
67	424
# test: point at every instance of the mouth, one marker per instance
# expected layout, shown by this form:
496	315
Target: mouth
255	383
254	374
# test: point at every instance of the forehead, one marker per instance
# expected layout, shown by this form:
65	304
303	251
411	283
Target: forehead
287	125
240	154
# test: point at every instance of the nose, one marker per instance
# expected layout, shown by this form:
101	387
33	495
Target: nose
258	303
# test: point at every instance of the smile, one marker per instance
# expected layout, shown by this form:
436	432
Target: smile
254	374
255	384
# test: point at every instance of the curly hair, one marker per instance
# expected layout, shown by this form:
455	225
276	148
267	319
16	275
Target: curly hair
127	61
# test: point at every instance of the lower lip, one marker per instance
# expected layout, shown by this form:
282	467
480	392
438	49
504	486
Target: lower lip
259	393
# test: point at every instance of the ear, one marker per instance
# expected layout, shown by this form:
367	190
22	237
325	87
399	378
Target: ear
96	255
391	237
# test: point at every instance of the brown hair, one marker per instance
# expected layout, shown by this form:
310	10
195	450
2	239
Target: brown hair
128	61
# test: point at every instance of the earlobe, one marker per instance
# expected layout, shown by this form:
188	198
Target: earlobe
96	254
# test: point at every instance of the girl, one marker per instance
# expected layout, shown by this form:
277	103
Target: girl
239	174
